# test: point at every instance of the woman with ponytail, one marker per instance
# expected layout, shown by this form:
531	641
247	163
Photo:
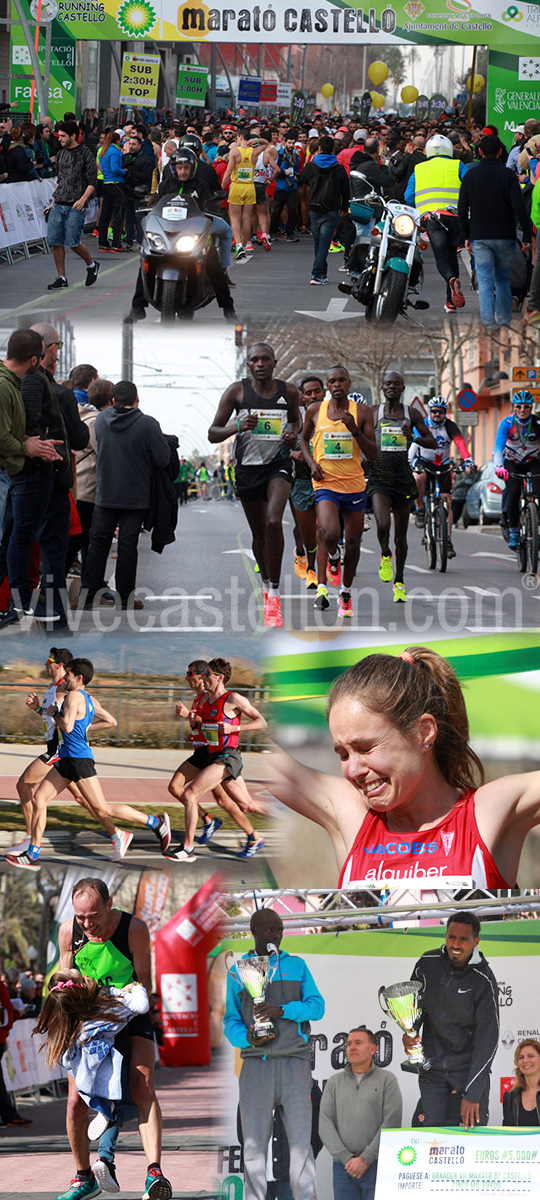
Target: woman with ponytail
412	805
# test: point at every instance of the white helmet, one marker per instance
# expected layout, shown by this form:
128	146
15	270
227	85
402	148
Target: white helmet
438	144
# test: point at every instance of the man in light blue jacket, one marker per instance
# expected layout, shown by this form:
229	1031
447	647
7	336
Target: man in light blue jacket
276	1071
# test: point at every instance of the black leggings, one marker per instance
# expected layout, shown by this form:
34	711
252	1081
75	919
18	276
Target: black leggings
282	198
112	207
445	239
512	491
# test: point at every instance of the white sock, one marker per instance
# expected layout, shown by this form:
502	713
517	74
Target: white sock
266	585
273	591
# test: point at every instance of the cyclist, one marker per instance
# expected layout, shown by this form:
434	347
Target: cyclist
445	432
517	450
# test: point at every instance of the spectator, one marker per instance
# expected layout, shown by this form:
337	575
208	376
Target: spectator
18	166
98	397
8	1112
77	180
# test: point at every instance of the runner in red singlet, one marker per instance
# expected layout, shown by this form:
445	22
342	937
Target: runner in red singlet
412	805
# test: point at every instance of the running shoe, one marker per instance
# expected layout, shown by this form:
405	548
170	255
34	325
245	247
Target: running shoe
23	861
265	242
385	569
273	616
457	295
513	543
18	1120
183	856
300	565
419	517
105	1173
210	828
104	249
335	247
450	552
92	274
449	307
251	847
333	573
121	842
311	581
249	247
292	239
163	832
240	254
79	1189
318	282
97	1126
58	283
345	605
532	316
399	592
20	847
156	1186
321	600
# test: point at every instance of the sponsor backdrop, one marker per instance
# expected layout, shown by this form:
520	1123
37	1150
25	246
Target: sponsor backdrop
63	93
496	22
350	968
513	90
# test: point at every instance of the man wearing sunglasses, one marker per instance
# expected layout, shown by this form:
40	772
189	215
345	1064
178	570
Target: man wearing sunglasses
517	451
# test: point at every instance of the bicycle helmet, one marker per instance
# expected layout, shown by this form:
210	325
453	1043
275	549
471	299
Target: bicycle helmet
193	141
437	402
185	155
523	397
438	144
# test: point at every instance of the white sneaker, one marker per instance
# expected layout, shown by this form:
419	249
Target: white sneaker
97	1126
106	1175
20	847
183	856
121	842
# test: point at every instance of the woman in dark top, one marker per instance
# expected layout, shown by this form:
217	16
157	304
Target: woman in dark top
19	167
521	1105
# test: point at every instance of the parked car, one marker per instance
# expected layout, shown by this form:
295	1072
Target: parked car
484	499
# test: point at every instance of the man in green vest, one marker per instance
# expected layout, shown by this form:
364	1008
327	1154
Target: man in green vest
434	188
113	947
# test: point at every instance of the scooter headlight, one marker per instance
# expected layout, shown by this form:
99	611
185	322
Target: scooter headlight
156	242
186	244
403	225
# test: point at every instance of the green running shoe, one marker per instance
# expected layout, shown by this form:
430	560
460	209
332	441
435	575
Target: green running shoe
79	1189
156	1186
385	569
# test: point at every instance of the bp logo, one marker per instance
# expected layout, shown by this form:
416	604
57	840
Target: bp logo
136	18
407	1156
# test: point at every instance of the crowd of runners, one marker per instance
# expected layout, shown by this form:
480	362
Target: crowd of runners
264	180
217	718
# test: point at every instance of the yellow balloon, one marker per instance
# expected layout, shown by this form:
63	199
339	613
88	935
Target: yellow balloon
378	72
327	90
409	94
478	83
377	100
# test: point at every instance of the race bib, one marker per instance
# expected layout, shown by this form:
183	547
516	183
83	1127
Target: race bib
393	438
245	175
174	213
211	734
337	445
268	427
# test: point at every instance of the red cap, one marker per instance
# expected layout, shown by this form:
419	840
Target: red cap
488	129
343	129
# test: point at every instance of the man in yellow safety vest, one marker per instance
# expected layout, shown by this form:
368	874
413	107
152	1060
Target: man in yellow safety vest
433	189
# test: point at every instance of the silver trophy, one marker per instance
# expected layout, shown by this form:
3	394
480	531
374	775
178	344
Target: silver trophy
255	973
403	1002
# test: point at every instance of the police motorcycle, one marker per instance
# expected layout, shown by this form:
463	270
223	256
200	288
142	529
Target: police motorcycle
384	265
177	236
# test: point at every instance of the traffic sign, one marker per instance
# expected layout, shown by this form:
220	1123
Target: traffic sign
469	420
466	399
525	374
534	390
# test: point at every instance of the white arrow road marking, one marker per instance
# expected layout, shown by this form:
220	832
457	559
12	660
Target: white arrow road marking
334	312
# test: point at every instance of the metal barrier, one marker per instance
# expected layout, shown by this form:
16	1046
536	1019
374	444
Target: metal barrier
144	712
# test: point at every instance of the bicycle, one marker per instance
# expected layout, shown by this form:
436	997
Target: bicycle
527	548
436	535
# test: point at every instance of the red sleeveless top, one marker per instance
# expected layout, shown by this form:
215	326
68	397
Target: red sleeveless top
452	847
197	737
212	713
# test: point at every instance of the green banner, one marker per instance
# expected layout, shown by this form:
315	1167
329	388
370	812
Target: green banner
513	90
192	85
62	85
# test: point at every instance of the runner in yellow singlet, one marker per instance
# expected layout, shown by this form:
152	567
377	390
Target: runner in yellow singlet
341	430
242	198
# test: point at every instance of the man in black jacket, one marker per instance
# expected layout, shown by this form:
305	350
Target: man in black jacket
328	196
139	169
187	180
460	1030
490	205
130	445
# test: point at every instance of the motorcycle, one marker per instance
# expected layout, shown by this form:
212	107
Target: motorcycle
176	241
385	265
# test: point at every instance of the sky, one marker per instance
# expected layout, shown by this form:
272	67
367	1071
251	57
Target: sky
179	379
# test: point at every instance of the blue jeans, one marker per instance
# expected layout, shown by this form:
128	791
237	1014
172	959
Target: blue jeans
225	235
322	227
493	260
5	481
123	1111
347	1188
29	498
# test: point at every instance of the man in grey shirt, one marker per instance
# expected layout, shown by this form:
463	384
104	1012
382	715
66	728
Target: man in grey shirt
356	1104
